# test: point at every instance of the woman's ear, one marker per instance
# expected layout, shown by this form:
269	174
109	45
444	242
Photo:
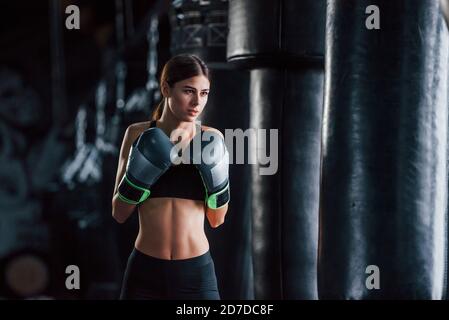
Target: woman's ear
165	89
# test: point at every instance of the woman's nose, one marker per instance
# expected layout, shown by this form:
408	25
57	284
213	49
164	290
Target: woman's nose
195	100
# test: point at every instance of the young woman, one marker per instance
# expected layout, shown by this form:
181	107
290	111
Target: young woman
171	258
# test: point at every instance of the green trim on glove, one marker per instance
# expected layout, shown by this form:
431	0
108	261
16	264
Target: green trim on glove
212	199
127	200
145	193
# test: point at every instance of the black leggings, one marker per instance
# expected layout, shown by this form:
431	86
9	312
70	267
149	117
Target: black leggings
148	277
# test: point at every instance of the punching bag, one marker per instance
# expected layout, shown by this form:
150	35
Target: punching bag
276	33
282	43
200	28
384	167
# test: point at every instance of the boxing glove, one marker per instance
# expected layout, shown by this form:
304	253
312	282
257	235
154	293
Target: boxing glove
148	159
211	159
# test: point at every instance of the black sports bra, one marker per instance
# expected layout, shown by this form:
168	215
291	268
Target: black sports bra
179	181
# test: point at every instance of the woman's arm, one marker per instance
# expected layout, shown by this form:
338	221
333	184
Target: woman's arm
216	217
122	210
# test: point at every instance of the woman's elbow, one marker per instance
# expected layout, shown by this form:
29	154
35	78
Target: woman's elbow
120	210
116	214
216	217
119	218
216	224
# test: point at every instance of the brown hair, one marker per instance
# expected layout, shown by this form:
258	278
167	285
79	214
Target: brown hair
179	68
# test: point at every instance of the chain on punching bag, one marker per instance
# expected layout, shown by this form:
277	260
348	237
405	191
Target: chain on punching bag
384	169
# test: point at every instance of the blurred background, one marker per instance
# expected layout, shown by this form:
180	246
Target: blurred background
66	97
357	89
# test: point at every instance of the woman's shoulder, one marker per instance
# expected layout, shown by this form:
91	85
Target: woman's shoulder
135	129
206	128
139	126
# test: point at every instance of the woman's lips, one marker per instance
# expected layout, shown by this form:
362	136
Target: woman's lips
192	112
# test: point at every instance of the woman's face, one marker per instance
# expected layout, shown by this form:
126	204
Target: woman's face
187	98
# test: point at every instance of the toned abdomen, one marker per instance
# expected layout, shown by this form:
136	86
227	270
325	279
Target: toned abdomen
172	228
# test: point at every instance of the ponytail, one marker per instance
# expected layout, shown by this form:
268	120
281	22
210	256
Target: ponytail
157	113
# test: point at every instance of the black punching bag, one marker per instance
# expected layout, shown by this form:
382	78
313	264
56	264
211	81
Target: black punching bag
384	167
200	28
276	33
282	43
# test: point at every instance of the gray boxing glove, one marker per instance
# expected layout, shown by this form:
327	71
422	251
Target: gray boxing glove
212	162
148	159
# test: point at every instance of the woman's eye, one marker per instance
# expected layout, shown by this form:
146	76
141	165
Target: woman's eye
204	93
188	91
